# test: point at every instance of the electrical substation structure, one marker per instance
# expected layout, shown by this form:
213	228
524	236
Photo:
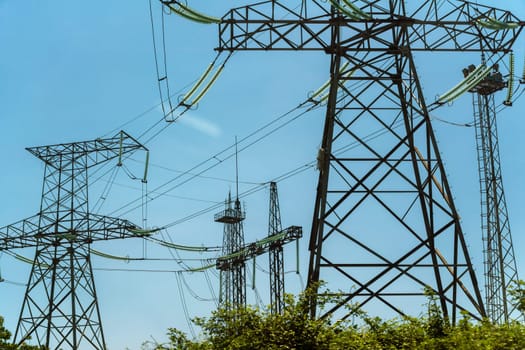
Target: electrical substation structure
233	278
276	258
385	229
499	262
235	253
60	308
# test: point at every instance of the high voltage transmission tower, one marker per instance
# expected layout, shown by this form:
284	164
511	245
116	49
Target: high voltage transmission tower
60	308
385	227
499	262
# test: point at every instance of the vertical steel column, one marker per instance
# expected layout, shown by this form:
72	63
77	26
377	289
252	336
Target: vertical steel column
275	254
233	276
499	261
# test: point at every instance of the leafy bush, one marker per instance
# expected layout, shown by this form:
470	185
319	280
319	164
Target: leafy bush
252	329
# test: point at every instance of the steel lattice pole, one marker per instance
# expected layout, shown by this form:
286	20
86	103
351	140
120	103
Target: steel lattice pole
499	261
275	254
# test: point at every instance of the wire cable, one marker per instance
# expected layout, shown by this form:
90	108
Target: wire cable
218	158
184	305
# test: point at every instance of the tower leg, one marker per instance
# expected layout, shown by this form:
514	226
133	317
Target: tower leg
60	308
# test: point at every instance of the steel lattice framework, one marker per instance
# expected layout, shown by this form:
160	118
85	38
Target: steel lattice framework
232	263
275	254
60	308
232	276
500	265
385	226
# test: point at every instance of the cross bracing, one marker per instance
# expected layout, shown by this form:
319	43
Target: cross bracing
400	179
60	307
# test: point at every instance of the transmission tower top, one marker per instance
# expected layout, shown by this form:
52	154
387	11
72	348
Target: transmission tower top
459	26
230	214
64	211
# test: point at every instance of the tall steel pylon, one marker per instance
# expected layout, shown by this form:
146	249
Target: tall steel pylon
275	254
385	226
232	276
60	308
499	262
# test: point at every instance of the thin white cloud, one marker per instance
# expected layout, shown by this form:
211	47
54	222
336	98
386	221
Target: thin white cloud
202	125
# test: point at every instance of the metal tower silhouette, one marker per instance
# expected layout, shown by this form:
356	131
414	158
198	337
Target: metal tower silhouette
232	275
232	263
385	226
499	262
275	254
60	308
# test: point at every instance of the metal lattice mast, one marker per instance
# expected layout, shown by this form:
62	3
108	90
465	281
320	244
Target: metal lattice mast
499	261
385	226
275	254
60	308
233	278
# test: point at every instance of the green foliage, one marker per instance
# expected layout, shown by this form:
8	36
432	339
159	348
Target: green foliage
253	328
5	335
517	293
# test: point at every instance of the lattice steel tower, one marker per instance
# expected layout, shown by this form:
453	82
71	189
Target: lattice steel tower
60	308
500	265
276	254
385	226
233	272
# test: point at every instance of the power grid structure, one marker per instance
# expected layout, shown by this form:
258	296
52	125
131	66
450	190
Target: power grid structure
60	308
232	263
232	276
385	227
500	268
275	255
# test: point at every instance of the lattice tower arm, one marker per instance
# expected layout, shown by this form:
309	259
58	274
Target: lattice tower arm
255	249
271	25
60	156
26	233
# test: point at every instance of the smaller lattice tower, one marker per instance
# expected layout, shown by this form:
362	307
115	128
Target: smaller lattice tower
60	308
232	276
498	252
276	254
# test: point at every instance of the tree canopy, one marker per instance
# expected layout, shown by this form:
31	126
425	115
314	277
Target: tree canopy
252	328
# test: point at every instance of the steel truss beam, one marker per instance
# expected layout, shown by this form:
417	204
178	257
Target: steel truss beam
271	25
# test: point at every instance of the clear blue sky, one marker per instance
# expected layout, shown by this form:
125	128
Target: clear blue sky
73	72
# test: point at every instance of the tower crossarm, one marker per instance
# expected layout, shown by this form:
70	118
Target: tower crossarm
257	248
30	232
21	234
456	26
97	151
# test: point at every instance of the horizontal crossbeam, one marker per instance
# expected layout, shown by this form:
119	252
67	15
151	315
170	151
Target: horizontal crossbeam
255	249
61	156
86	228
271	25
